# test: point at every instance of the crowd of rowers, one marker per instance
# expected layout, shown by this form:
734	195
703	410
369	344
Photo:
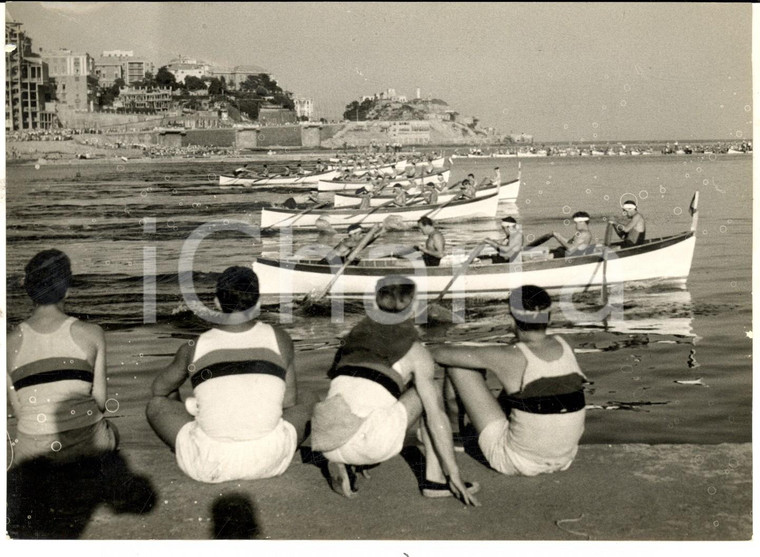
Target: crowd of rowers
246	418
508	248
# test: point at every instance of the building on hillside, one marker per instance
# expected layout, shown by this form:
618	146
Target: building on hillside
270	115
118	53
68	71
183	67
304	108
144	99
26	82
520	138
134	69
410	132
235	76
108	69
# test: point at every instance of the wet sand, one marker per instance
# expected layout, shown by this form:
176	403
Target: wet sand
627	491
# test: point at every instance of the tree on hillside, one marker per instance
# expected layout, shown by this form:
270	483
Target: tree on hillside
357	111
215	86
165	78
193	83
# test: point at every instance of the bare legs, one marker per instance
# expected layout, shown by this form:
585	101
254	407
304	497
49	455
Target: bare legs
479	403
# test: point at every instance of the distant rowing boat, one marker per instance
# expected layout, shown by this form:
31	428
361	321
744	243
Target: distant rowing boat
310	179
352	185
483	207
507	193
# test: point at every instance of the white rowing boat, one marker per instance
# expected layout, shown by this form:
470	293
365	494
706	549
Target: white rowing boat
507	194
353	185
665	259
308	179
480	207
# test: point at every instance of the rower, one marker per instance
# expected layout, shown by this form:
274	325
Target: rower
399	195
496	179
467	190
508	248
366	197
634	231
342	250
433	248
580	243
430	193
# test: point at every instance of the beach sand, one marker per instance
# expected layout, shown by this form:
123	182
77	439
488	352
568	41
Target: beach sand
611	492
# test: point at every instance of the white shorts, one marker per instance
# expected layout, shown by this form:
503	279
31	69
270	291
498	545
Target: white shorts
379	438
495	441
211	460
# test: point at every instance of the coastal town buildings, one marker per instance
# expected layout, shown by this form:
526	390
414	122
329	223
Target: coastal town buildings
412	132
120	64
235	76
68	71
304	108
144	99
26	82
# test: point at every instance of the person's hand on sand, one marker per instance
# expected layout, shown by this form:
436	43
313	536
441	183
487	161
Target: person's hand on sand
460	491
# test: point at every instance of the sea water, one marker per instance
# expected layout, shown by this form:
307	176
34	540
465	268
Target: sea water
676	347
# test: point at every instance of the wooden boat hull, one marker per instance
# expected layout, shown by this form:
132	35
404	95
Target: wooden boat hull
352	186
310	180
663	259
507	193
484	207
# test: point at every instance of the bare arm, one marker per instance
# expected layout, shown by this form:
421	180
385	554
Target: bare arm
438	423
13	344
171	378
288	355
99	391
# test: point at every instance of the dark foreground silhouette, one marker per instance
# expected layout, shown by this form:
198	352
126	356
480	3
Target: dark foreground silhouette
47	500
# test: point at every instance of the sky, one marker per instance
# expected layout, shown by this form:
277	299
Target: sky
557	71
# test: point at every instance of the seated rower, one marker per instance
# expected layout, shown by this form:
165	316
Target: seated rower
580	243
366	198
381	384
339	254
243	420
509	248
430	193
433	249
535	424
467	190
633	232
399	196
326	232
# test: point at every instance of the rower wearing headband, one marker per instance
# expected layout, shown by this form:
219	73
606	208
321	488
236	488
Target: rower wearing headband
581	240
633	232
509	247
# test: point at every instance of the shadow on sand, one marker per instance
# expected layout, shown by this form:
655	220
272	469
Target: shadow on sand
49	500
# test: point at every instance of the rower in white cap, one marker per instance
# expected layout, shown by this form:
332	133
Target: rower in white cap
634	231
581	240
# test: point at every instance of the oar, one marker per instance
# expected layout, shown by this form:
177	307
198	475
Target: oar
441	206
461	270
297	215
371	211
458	273
318	295
605	294
540	240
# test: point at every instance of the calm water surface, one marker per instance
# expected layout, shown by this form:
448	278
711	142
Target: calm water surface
101	216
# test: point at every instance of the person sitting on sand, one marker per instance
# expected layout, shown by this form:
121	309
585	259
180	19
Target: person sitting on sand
580	243
535	425
243	420
510	247
382	381
434	247
633	233
56	374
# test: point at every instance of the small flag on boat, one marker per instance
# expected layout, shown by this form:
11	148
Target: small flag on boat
693	205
